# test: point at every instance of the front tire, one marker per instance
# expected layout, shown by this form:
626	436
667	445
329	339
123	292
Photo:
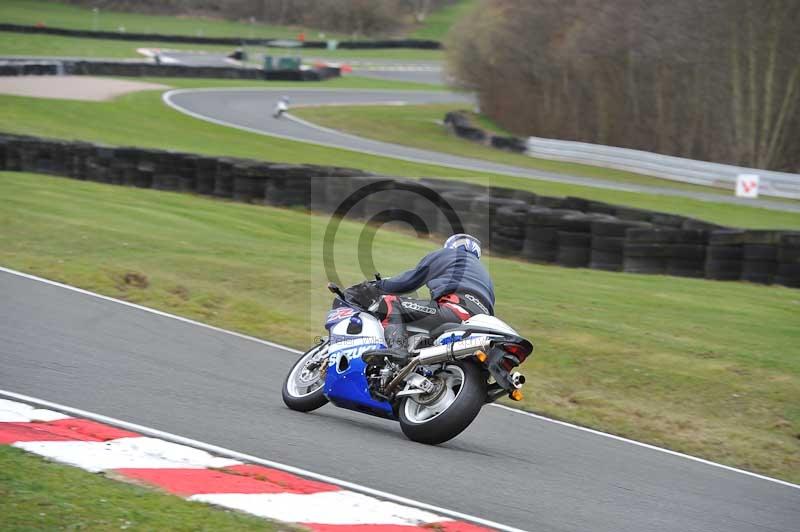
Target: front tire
444	414
304	385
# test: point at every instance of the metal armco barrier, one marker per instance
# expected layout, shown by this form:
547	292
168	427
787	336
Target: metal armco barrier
779	184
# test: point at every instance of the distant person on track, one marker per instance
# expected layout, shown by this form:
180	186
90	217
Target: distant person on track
281	107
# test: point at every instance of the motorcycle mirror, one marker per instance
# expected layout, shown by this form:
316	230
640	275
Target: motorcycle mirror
377	276
335	289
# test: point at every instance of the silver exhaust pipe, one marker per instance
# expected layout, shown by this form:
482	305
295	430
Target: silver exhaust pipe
437	354
452	351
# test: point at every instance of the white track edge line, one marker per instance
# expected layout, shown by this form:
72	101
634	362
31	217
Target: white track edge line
214	449
646	445
503	407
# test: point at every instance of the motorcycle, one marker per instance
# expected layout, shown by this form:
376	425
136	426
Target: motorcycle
435	394
281	108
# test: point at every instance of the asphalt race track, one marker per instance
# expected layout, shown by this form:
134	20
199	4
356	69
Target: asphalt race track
251	109
68	347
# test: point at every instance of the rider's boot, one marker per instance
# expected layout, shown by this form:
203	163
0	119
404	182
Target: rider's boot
396	341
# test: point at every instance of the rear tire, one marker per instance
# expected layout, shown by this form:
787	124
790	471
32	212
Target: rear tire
301	391
424	425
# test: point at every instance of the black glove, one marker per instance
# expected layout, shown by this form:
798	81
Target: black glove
363	294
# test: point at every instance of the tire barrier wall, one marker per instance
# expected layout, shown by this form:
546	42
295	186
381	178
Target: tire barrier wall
777	184
234	41
30	68
459	123
570	232
140	69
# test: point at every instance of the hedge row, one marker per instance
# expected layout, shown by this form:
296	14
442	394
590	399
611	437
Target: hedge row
233	41
137	69
571	231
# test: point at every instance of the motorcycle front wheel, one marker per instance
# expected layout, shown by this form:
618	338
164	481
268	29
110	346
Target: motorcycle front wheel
459	394
303	387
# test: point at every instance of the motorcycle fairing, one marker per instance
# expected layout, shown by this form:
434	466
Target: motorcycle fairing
345	381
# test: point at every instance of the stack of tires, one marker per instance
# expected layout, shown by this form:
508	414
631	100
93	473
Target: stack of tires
480	221
574	237
249	181
724	255
223	179
165	172
789	260
455	210
99	163
124	167
289	185
75	165
396	200
206	174
13	154
687	257
665	251
760	256
608	242
541	233
508	236
427	203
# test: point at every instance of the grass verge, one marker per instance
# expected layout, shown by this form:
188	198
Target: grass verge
702	367
142	119
36	494
438	23
58	46
61	15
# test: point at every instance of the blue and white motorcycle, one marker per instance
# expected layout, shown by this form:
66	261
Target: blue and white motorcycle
452	371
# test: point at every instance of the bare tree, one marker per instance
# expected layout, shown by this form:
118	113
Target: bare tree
716	80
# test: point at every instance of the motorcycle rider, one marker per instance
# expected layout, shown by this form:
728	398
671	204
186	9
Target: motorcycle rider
281	107
460	287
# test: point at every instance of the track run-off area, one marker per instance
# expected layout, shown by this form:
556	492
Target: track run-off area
146	367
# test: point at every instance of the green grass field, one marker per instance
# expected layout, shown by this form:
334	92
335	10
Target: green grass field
39	495
58	46
703	367
60	15
74	17
142	119
439	22
56	14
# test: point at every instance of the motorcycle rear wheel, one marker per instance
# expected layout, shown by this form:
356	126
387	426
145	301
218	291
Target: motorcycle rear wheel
444	414
303	387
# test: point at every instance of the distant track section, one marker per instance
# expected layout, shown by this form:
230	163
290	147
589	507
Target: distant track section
250	110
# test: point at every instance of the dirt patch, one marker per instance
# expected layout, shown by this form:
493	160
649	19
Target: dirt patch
135	279
85	88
